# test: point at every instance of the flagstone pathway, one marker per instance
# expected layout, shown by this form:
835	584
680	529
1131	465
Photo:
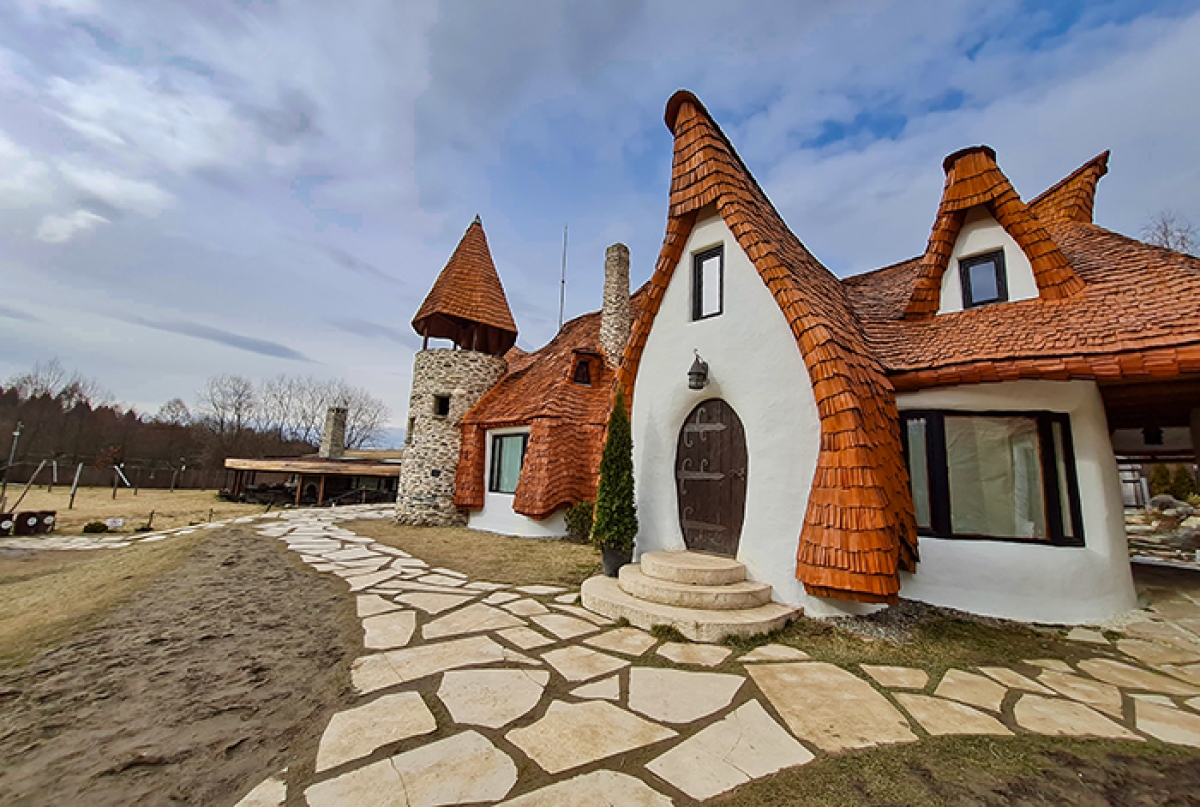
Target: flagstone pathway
474	692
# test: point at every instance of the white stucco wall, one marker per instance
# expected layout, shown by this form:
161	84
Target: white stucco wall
981	233
498	515
1063	585
754	365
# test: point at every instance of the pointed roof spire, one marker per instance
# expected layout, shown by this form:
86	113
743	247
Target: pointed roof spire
1074	197
974	178
467	302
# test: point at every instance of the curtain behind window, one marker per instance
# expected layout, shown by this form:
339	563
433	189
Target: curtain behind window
995	477
511	448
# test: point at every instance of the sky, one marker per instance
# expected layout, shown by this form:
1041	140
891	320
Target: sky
202	187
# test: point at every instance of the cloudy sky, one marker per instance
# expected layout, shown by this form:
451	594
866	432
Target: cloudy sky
193	188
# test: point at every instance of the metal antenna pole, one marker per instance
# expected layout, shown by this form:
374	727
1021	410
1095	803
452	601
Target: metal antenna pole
562	292
12	453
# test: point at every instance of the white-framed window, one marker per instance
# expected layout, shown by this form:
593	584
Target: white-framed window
508	455
708	283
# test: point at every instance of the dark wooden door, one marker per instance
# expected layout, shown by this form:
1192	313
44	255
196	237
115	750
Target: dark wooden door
710	477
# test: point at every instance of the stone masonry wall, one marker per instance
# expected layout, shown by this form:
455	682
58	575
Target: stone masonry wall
333	438
616	316
427	476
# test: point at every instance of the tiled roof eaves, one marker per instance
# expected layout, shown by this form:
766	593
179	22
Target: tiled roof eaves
859	529
468	287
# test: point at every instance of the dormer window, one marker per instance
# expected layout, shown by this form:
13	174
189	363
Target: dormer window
583	372
983	279
708	295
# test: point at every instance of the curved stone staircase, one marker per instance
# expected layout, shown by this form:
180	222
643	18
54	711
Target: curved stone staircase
705	597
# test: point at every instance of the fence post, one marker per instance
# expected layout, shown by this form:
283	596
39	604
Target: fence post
114	482
75	486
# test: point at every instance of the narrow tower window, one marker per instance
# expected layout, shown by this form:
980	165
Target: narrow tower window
583	372
983	279
708	295
441	405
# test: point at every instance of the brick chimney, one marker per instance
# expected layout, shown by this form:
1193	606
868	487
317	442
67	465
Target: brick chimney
333	439
616	317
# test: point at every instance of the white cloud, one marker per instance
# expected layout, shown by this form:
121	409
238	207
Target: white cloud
128	194
75	7
56	229
25	181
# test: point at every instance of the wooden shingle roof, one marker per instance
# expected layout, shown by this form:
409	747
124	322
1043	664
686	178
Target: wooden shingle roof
859	530
973	178
466	295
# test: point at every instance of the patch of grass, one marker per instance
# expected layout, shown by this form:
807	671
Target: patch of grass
945	771
46	597
743	644
486	556
667	633
176	509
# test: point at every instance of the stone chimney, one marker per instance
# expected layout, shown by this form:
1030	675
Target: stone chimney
333	439
616	317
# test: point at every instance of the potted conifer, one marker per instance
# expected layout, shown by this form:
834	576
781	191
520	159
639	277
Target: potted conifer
615	523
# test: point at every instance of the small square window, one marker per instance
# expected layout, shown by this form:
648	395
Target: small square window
441	405
708	294
583	372
508	455
983	279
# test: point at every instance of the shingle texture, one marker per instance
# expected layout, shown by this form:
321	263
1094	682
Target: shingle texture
973	179
859	528
468	294
1134	317
566	419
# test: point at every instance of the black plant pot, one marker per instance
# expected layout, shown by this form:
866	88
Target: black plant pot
614	559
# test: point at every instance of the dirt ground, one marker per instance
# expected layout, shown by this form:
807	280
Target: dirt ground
487	556
176	509
216	674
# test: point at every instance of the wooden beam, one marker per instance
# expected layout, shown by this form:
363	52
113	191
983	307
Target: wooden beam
321	490
299	488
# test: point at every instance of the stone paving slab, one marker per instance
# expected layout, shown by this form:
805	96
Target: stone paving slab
501	597
595	789
525	607
410	664
372	604
1126	676
376	784
830	707
1097	694
387	631
745	745
444	580
525	638
1166	723
540	591
774	652
491	698
271	792
627	641
1154	653
1055	664
1187	672
972	689
897	677
432	603
472	619
579	664
680	696
360	582
1014	680
702	655
1088	635
940	717
1066	718
582	613
574	734
608	689
357	732
563	626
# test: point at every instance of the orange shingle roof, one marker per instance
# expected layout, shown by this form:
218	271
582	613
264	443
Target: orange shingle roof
859	529
567	422
973	178
468	293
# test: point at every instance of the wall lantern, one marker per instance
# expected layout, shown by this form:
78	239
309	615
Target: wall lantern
698	375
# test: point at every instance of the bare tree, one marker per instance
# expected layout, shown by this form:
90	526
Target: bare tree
366	416
44	378
174	413
227	403
276	406
1167	229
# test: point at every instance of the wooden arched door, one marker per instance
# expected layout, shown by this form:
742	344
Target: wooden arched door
710	478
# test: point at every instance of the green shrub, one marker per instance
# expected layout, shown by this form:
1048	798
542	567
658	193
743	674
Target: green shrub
579	521
616	524
95	526
1194	500
1160	480
1182	483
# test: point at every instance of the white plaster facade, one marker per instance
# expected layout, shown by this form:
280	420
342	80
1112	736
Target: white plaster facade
756	367
498	515
981	233
1035	583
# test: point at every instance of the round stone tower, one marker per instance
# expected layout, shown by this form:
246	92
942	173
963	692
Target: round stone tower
467	305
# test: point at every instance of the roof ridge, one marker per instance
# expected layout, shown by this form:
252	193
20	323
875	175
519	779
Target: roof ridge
1099	163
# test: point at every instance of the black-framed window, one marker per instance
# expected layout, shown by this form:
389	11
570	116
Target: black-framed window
441	405
708	283
583	372
984	280
1006	476
508	455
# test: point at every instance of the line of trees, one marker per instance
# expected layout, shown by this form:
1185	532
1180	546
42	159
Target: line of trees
70	418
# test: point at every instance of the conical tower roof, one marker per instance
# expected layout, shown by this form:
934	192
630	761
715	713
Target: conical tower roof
467	302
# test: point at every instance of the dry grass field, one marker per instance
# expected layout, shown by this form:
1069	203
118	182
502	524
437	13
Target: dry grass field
176	509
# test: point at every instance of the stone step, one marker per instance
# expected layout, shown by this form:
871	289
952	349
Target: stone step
604	596
729	597
693	568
